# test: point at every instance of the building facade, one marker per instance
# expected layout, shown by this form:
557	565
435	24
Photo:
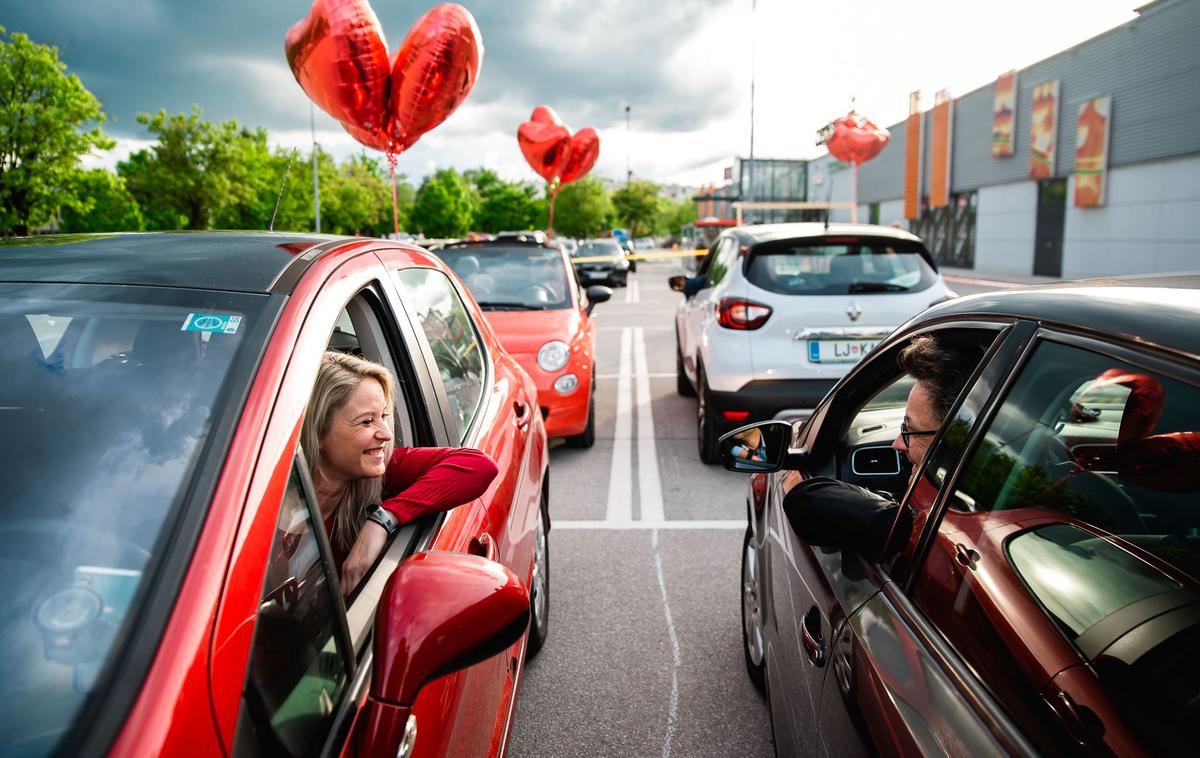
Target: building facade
761	180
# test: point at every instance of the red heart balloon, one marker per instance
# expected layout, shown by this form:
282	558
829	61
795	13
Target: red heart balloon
338	54
545	143
585	149
856	139
433	72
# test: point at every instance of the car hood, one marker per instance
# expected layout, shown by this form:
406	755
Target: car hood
526	331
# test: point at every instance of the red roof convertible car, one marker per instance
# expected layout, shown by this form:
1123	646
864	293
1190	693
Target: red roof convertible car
168	590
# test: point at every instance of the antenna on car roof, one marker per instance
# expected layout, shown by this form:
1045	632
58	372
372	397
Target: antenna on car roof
826	219
286	171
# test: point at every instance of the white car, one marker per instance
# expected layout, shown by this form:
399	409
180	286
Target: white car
778	313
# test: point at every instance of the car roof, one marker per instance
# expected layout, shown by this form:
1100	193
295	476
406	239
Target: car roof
233	261
1158	309
755	233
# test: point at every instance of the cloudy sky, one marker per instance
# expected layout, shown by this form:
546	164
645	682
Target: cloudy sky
683	66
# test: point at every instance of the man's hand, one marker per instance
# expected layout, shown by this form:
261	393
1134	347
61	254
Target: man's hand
371	539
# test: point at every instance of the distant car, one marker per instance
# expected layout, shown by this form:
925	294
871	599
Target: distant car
778	313
171	589
1034	588
532	235
601	260
534	304
632	252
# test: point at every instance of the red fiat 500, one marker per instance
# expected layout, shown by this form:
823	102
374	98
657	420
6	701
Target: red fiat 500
532	300
170	589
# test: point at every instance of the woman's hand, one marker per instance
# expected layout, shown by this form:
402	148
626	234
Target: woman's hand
371	539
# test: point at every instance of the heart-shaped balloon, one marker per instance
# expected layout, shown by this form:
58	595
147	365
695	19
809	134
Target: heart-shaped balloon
585	149
339	56
545	142
856	139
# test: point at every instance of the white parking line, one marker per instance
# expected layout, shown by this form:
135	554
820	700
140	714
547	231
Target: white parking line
649	485
622	526
620	483
664	375
676	658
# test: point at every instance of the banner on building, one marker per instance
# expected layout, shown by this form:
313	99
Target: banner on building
1004	114
939	160
1091	151
912	159
1043	132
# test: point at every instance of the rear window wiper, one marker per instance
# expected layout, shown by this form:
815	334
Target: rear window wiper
500	306
876	287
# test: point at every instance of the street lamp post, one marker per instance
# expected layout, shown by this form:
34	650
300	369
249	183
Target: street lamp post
628	170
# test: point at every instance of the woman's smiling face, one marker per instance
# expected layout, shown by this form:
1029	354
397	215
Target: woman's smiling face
354	446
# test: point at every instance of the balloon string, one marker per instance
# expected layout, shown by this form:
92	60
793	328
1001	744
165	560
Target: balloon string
395	205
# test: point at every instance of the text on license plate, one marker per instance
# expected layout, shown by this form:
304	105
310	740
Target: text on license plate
839	351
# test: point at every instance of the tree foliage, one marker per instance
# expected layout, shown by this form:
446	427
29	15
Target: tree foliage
444	207
105	205
637	205
583	209
48	121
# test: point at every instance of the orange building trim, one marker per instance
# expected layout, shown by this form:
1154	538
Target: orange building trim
912	159
939	161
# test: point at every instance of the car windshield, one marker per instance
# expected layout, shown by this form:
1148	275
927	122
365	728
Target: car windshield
108	397
511	278
598	249
840	266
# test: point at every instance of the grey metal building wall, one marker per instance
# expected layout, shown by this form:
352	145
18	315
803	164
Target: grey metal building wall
1149	66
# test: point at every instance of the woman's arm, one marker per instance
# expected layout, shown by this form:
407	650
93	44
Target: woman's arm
423	480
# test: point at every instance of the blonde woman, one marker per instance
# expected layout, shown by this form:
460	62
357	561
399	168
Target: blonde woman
366	487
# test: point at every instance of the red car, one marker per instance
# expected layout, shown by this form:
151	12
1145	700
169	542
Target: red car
169	588
529	292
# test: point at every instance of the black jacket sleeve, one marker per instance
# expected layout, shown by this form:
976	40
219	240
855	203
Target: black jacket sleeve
827	512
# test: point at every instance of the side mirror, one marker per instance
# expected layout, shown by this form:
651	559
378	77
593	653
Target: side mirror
440	612
759	448
597	294
677	283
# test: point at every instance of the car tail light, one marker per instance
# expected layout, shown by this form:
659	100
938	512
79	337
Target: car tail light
739	313
735	415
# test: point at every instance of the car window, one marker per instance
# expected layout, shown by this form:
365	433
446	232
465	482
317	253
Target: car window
516	278
107	399
298	667
1076	522
456	347
722	261
598	249
840	266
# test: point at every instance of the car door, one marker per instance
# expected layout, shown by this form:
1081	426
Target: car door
698	310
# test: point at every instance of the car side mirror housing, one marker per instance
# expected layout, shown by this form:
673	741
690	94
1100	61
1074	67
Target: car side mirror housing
596	294
440	612
760	448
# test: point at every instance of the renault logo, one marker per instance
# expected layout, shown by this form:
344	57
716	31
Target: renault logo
853	311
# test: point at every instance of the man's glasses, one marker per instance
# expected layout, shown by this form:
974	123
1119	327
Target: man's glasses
907	434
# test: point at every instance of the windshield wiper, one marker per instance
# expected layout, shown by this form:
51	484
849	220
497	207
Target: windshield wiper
495	305
876	287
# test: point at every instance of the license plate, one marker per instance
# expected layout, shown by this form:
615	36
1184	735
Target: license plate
839	351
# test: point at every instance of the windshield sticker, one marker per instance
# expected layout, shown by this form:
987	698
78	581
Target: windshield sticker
211	322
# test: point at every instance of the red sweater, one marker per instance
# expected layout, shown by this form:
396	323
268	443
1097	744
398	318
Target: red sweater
424	480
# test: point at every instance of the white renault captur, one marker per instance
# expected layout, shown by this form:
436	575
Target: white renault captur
779	312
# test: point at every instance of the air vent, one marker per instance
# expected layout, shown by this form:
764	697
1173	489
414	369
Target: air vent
877	460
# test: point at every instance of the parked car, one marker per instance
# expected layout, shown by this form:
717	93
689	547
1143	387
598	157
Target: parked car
529	294
777	313
1037	590
171	590
603	261
631	254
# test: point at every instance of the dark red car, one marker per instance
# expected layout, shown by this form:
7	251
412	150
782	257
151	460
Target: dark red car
169	587
1037	590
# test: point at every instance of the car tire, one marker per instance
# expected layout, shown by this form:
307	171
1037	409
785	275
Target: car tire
587	437
706	425
753	646
539	585
683	385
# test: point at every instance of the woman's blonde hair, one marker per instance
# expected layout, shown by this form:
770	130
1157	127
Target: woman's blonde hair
338	376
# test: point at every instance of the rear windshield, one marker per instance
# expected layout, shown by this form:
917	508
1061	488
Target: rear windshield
598	249
107	398
840	266
511	278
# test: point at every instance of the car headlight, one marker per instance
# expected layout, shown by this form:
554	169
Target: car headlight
554	355
566	384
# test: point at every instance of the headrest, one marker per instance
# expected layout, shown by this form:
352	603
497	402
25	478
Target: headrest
465	265
846	267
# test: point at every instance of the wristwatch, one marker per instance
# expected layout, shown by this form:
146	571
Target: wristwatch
384	518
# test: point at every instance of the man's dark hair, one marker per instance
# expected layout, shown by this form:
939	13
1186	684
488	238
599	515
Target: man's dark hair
943	369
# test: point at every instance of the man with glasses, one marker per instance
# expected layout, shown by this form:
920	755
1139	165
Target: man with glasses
940	372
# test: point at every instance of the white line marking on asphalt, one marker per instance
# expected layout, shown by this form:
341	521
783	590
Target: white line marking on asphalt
620	483
676	658
630	525
620	328
632	295
649	485
983	282
637	292
663	375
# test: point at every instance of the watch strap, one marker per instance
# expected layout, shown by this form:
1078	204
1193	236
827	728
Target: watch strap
384	518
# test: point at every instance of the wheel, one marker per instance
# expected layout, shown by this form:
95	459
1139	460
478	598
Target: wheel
752	628
587	437
683	385
706	425
539	587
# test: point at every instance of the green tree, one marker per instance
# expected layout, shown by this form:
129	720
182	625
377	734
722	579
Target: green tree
105	205
637	206
507	207
582	208
680	215
48	121
444	207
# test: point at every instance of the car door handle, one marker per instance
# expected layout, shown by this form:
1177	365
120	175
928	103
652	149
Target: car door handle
522	411
483	546
814	646
965	556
